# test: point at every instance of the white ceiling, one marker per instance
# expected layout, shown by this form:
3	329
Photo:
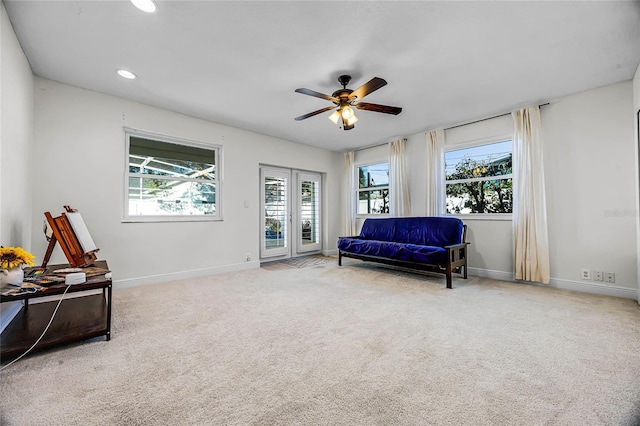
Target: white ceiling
238	63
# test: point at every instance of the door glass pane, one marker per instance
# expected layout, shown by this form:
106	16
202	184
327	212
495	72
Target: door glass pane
309	212
275	212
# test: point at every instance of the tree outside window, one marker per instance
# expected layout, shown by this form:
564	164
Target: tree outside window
479	179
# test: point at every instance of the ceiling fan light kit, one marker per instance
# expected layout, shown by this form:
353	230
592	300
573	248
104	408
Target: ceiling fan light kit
335	116
344	99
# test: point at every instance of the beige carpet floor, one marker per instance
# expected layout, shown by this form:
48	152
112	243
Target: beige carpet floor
351	345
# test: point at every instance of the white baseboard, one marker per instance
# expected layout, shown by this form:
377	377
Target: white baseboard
585	287
182	275
601	289
490	273
333	252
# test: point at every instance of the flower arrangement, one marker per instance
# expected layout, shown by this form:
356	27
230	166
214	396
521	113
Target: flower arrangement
13	257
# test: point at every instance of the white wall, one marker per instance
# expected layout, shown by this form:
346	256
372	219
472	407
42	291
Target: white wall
16	139
590	183
591	197
79	160
590	154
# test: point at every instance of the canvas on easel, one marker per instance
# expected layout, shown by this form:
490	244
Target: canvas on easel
70	231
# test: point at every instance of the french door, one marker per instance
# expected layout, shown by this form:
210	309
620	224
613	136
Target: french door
290	205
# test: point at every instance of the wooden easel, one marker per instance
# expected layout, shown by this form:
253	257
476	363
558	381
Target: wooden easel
63	233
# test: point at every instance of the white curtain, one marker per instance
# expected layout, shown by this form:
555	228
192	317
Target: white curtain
399	189
531	242
350	200
435	173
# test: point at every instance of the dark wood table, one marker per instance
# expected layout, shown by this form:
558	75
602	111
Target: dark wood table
78	318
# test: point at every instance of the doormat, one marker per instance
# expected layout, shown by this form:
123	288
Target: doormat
299	262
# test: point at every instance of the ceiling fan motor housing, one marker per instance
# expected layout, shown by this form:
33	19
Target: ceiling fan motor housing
342	94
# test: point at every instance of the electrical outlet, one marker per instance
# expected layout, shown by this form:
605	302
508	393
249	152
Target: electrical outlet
597	276
248	257
586	273
609	277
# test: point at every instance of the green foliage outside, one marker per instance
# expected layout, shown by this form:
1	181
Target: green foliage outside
480	196
362	177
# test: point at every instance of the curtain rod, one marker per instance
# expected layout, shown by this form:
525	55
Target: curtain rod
485	119
378	144
448	128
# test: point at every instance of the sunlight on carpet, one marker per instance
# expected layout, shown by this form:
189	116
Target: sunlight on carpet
298	262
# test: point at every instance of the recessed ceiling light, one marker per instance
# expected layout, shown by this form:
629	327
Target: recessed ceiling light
148	6
126	74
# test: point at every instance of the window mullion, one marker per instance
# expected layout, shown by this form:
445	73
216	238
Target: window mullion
480	179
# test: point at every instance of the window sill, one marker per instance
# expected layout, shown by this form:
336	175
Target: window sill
484	216
365	216
157	219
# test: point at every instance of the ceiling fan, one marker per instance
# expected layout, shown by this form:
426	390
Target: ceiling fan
344	99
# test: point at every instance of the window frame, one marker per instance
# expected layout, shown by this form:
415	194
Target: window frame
472	144
217	181
356	189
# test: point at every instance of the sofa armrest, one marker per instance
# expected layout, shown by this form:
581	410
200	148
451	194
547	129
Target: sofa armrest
457	254
456	246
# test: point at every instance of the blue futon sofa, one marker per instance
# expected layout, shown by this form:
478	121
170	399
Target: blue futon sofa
434	244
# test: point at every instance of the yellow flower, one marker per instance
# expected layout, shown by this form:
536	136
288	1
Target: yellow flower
12	257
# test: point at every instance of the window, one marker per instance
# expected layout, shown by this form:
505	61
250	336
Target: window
479	179
171	180
373	189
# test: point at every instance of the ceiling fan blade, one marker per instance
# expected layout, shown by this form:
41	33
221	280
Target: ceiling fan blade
372	85
316	94
379	108
311	114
